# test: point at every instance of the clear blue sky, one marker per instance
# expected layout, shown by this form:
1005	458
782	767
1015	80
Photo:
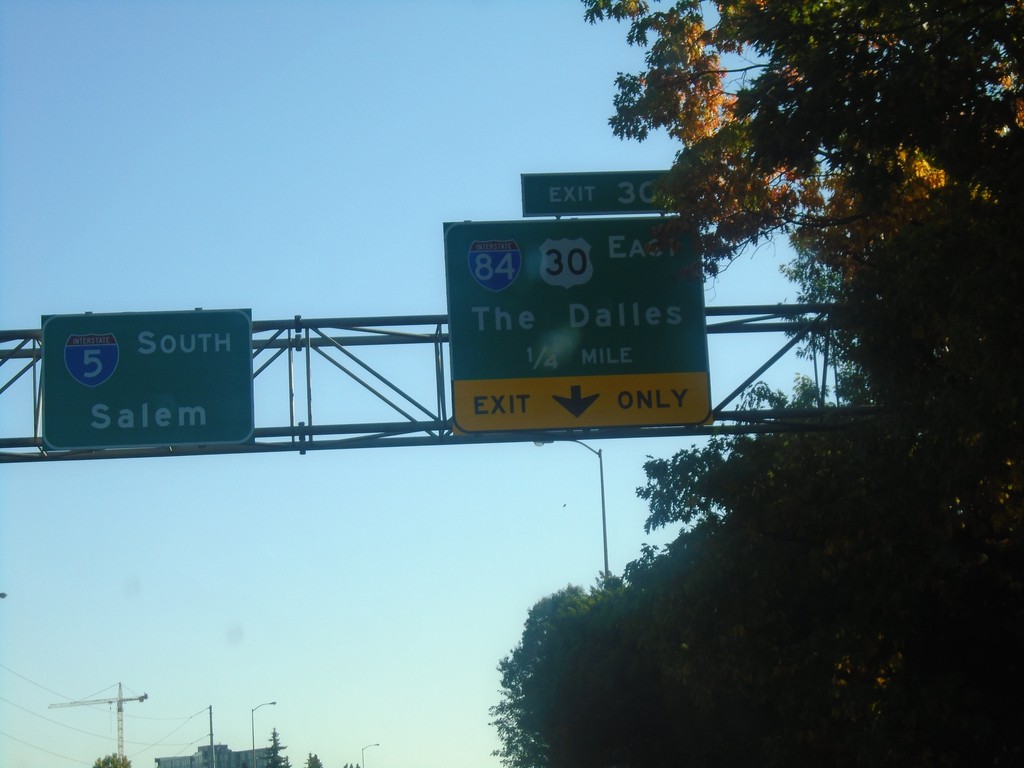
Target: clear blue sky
293	158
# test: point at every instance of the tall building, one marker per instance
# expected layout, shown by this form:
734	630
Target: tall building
226	758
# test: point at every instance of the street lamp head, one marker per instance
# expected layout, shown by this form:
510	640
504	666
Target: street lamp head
362	755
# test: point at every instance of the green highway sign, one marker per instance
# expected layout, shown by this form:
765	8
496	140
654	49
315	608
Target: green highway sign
147	379
577	194
562	324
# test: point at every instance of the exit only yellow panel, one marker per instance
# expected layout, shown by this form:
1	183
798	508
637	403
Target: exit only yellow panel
582	402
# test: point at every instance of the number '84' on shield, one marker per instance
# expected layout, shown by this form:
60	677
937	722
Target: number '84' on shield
91	358
495	264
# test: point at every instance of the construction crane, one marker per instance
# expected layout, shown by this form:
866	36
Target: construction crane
120	700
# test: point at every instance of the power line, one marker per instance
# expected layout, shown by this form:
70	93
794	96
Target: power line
33	682
161	741
55	722
41	749
145	746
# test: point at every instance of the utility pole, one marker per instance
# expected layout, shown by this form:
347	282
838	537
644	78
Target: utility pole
213	754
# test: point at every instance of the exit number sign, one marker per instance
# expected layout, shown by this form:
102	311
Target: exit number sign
589	193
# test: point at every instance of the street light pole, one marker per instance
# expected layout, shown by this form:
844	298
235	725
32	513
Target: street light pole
252	723
362	756
604	515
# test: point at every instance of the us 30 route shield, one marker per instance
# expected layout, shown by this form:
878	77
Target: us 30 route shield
569	324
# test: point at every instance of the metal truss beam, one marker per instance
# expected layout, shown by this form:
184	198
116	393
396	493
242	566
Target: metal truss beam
383	381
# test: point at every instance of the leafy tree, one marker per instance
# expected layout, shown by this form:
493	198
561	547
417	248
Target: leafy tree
112	761
520	716
807	615
850	597
920	96
313	761
886	138
836	606
275	759
574	690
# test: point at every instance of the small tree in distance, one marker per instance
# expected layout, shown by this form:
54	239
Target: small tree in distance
275	759
313	761
112	761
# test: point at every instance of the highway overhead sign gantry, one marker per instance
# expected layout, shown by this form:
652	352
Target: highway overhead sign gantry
147	379
568	324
